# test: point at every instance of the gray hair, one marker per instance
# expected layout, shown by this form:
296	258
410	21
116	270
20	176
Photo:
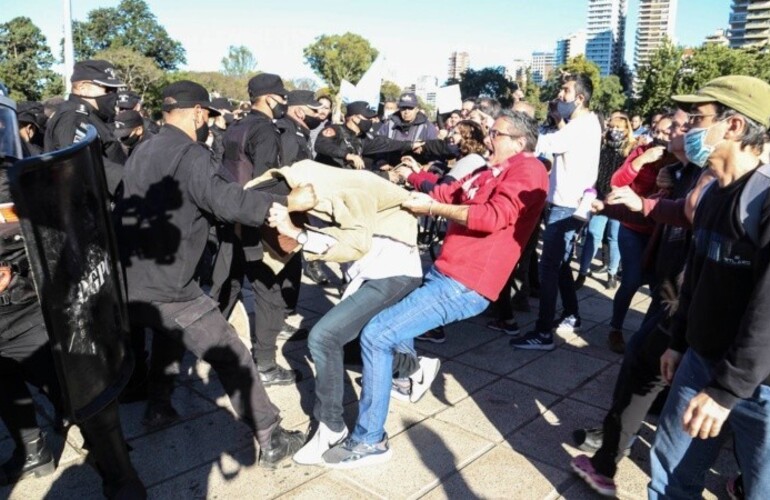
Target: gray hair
523	125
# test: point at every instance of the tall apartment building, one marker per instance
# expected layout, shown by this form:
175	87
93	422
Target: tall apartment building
749	23
570	47
426	88
517	71
541	67
657	19
458	64
605	34
718	38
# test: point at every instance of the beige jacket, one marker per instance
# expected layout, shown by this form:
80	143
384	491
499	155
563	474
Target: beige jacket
357	204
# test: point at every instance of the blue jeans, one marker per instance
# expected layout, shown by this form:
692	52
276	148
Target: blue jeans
593	242
632	245
339	326
679	463
439	301
555	273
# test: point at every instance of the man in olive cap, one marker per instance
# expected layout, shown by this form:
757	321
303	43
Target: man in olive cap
718	361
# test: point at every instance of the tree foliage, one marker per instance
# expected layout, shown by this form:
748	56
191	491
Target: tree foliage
389	91
25	61
239	61
340	57
302	84
131	24
488	82
610	96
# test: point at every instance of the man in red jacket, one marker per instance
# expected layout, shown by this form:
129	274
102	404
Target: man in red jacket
492	213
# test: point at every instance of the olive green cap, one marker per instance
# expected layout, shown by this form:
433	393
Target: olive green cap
745	94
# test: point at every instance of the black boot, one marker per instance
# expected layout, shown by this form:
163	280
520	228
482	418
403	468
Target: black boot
32	458
277	444
314	271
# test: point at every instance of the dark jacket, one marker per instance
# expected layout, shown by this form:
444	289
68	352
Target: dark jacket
421	129
62	128
252	146
337	141
172	190
295	141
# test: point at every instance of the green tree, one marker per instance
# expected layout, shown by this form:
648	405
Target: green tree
239	61
25	61
302	84
658	79
131	24
389	90
711	61
140	73
340	57
488	82
610	96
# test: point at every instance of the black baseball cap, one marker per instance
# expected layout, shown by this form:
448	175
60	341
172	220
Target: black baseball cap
127	99
407	100
266	83
222	103
360	108
126	121
303	98
98	71
187	94
31	112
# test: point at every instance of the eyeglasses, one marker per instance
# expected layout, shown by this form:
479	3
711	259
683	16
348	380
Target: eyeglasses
694	118
493	133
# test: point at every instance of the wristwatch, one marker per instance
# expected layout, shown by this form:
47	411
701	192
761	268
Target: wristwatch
302	238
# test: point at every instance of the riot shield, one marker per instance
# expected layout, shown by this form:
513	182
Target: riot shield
61	202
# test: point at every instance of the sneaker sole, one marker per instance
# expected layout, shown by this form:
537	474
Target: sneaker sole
320	460
367	461
587	478
399	396
565	331
535	347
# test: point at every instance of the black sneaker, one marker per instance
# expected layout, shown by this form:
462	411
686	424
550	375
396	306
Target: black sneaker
289	332
277	375
500	325
534	341
436	335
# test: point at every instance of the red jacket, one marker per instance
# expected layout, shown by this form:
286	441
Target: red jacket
642	182
506	202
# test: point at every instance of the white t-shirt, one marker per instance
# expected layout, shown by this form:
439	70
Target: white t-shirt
575	151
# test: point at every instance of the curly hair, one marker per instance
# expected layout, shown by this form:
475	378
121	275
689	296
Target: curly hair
472	138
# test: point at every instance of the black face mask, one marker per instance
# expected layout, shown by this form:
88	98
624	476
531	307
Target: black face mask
130	141
279	110
312	122
106	106
365	126
202	133
659	142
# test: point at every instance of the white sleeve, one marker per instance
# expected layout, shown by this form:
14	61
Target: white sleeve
318	243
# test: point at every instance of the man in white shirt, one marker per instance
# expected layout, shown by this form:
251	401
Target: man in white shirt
574	147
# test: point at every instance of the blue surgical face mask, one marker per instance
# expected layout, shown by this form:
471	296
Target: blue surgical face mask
566	108
695	147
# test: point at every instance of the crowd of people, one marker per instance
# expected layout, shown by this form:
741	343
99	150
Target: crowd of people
214	192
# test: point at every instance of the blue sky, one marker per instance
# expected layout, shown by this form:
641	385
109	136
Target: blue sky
416	37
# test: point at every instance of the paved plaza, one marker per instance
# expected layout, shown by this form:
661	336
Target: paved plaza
496	424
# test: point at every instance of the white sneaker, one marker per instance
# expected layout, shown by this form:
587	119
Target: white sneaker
323	439
424	377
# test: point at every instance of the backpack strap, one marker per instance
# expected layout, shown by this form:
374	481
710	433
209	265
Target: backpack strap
752	200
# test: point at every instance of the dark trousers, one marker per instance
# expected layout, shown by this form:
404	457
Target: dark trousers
274	296
25	356
639	384
198	326
339	326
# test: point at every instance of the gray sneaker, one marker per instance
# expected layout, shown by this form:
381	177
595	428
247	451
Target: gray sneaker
568	324
350	454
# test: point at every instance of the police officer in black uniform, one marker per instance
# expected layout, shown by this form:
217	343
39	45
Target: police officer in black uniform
128	128
25	356
93	100
353	145
253	146
131	101
32	122
173	188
